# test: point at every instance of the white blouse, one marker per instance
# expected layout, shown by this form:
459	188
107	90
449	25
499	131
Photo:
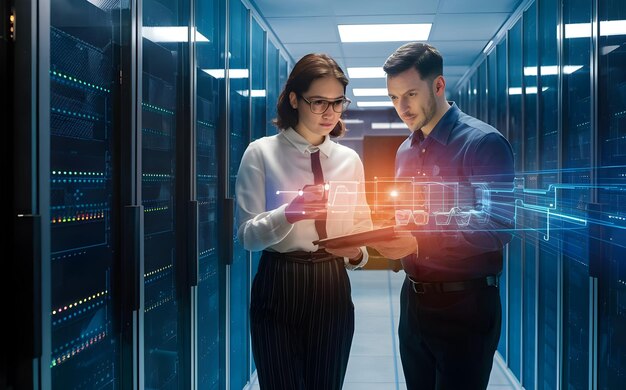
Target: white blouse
272	171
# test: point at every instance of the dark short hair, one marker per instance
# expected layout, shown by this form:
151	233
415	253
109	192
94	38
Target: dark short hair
425	58
308	69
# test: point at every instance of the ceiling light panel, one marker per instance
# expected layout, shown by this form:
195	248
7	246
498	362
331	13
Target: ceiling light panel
370	91
387	103
384	32
375	72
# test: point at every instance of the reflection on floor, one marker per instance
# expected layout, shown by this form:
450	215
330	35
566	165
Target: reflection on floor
374	358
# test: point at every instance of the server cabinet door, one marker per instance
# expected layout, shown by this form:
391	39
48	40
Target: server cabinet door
273	89
612	172
515	261
84	203
577	163
239	137
531	239
164	58
548	151
210	17
23	347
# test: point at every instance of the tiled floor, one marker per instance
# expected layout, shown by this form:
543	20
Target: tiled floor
374	358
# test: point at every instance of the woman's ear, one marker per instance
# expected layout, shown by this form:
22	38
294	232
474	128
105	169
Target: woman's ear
293	100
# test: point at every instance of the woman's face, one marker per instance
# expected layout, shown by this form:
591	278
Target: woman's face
313	126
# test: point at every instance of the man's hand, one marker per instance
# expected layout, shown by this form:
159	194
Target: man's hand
396	248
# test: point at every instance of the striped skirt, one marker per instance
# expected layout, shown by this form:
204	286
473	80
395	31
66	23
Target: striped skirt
302	323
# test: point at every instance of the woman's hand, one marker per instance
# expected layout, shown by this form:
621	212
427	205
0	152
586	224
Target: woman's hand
309	204
349	252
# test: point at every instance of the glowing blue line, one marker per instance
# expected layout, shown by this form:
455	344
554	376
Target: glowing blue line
541	192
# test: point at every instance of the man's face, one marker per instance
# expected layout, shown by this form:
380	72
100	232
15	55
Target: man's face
413	98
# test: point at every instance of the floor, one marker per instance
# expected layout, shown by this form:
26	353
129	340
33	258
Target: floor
375	359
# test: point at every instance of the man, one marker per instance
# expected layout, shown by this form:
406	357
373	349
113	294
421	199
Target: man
450	305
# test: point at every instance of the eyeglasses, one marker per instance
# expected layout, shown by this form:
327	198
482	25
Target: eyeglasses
319	106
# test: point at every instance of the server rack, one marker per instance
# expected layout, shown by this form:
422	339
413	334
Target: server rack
121	185
84	195
66	195
209	124
239	18
610	54
565	121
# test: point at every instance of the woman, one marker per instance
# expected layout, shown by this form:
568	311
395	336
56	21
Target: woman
301	311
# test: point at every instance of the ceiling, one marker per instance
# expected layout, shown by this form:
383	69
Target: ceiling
460	30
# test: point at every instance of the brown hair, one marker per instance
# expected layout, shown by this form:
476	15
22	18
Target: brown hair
308	69
425	58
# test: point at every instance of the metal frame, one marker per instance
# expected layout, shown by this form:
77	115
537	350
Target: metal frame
593	282
561	271
41	111
132	264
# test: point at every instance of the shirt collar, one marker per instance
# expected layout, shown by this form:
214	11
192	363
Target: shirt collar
417	137
304	146
443	128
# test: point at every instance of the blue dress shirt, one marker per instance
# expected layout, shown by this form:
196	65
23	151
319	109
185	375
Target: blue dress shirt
467	168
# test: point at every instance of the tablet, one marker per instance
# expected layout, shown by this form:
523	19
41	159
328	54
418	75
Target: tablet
357	239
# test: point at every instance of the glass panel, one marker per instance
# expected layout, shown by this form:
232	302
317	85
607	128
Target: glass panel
492	77
465	96
612	156
576	170
239	69
547	313
530	94
473	93
501	121
84	188
502	95
239	134
161	117
547	306
529	312
210	17
283	72
273	88
515	305
515	135
461	93
516	247
482	92
548	103
477	90
469	97
259	88
258	128
530	218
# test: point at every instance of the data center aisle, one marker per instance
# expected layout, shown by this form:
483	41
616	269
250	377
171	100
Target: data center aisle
375	358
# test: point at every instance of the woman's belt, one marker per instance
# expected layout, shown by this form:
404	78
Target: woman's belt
303	257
